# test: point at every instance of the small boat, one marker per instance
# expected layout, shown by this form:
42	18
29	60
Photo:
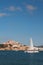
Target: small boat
32	49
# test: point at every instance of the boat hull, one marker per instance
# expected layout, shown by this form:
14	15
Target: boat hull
32	51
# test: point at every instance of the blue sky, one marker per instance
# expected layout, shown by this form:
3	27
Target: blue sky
20	20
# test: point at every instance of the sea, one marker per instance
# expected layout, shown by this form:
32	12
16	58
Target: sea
20	58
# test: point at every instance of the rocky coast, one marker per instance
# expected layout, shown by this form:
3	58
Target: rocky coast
13	45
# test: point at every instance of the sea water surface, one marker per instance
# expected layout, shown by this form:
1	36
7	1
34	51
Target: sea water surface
20	58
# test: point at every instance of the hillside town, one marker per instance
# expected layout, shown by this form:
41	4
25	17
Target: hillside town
13	45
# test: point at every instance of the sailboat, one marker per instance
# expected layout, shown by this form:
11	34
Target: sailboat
32	49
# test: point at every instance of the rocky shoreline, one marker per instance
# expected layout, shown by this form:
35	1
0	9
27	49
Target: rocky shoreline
12	45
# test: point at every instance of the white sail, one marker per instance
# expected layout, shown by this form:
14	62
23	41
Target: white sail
32	49
31	44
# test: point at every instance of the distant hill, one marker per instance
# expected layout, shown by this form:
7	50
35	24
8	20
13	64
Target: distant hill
39	46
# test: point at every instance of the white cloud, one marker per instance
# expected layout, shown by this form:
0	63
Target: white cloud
31	7
13	8
3	14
